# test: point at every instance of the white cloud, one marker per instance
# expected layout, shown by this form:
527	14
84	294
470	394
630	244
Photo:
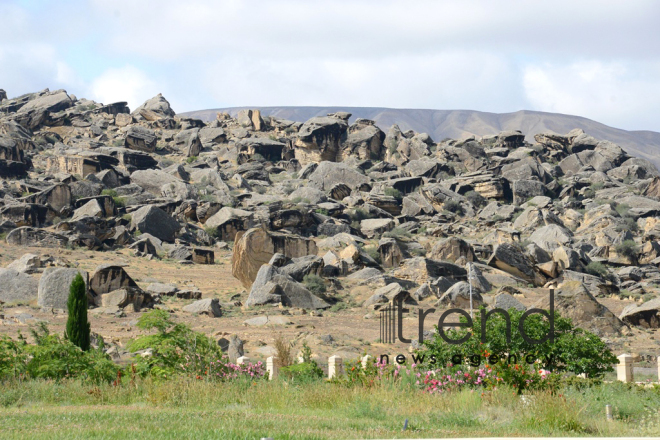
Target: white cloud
614	93
126	83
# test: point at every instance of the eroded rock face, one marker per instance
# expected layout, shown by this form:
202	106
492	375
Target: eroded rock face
153	220
319	138
17	287
257	246
54	286
273	286
107	278
511	259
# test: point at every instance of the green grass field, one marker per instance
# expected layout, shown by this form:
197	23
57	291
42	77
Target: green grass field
242	410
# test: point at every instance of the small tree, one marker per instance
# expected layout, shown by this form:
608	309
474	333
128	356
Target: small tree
77	325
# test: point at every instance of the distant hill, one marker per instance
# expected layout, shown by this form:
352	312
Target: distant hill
457	124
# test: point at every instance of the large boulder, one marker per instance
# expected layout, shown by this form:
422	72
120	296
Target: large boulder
109	277
574	301
328	174
54	286
141	139
458	295
272	286
511	259
229	221
153	180
420	269
551	237
155	108
35	237
319	138
153	220
257	246
208	306
646	315
451	249
17	286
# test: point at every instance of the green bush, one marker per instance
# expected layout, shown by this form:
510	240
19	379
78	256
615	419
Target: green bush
109	192
55	358
397	233
393	192
314	283
628	249
302	372
176	349
359	214
77	325
213	232
574	349
191	159
597	268
453	206
475	198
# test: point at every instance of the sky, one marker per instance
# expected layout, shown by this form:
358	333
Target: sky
597	59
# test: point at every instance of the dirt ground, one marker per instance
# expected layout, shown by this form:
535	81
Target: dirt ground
353	330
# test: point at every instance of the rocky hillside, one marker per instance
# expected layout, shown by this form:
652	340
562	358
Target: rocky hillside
459	124
313	210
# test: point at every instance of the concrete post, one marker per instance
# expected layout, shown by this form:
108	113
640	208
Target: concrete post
242	360
367	359
658	368
624	371
272	367
335	367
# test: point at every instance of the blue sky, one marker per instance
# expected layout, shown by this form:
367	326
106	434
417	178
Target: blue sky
598	59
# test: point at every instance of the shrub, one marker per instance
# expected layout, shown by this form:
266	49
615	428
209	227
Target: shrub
77	325
359	214
475	198
213	232
397	233
322	211
191	159
628	249
453	206
597	268
53	358
314	283
120	202
176	349
109	192
302	372
283	348
574	349
393	192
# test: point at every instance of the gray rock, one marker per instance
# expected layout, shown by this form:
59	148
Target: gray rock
208	306
162	289
458	295
17	286
272	286
235	349
28	263
506	301
551	237
153	220
511	259
153	180
55	284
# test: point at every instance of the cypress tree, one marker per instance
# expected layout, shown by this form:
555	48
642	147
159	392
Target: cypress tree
77	326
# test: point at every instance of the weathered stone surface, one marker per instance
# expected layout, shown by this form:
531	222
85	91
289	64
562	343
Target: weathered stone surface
27	236
153	220
141	139
376	226
511	259
272	286
124	297
257	246
507	301
451	249
55	284
574	301
17	286
646	315
420	269
458	295
551	237
328	174
209	307
28	263
107	278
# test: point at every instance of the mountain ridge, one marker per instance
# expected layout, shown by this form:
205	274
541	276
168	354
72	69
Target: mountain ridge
458	124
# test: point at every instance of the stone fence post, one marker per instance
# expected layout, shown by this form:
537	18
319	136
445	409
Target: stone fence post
367	358
272	367
242	360
624	371
335	367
